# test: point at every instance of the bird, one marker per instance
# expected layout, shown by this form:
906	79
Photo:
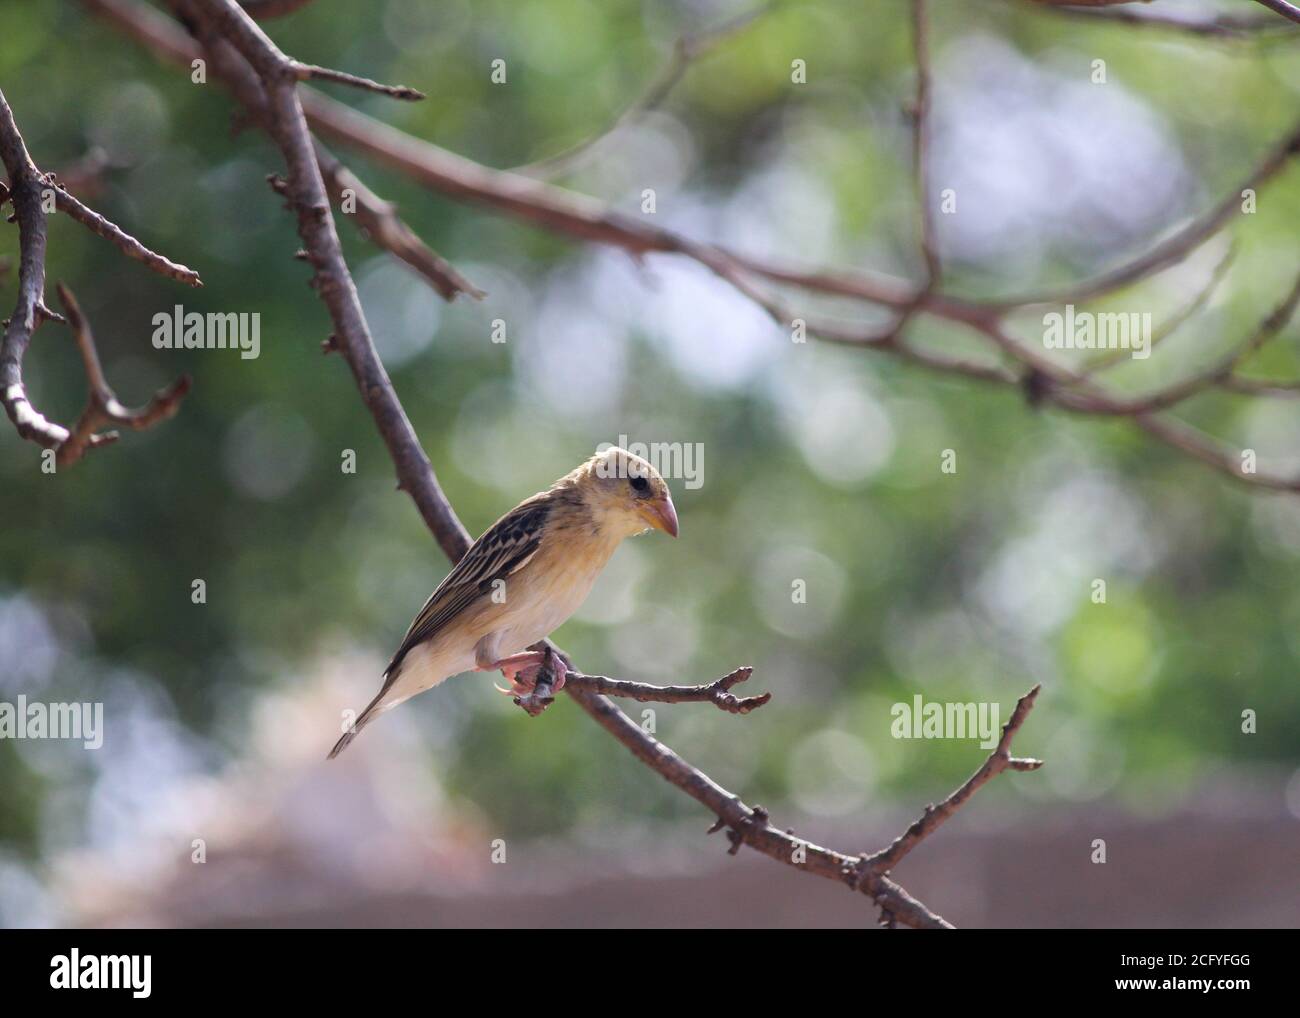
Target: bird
523	578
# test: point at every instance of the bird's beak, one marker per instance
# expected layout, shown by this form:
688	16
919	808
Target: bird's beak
661	514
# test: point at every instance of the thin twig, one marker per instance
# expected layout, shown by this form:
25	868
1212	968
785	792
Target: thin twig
1093	402
717	692
934	816
379	223
687	49
310	72
1174	322
1205	24
123	241
1088	3
85	175
1287	388
1175	248
921	145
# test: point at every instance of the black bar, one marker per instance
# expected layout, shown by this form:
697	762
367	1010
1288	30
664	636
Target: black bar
362	967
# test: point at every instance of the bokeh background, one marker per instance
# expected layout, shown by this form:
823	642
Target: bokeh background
820	463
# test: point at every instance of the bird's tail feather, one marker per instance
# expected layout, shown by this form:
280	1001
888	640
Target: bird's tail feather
342	744
367	715
416	672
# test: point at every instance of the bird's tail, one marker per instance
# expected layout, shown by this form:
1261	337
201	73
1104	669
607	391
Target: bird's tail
342	744
367	715
406	676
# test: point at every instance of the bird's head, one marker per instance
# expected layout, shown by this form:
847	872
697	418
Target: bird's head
625	493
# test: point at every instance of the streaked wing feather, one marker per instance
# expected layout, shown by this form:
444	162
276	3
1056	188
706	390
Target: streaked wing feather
503	548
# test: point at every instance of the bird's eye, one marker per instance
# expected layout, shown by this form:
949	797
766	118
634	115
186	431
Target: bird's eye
639	483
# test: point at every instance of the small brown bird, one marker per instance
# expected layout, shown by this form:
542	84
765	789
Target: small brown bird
523	578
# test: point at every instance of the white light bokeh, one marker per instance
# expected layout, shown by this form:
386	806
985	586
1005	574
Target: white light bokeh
777	569
267	451
403	310
29	649
831	773
1043	161
842	430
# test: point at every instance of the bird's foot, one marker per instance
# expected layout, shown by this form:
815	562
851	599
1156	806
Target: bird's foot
524	670
536	685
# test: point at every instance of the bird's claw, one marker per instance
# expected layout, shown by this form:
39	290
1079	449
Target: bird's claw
523	681
534	684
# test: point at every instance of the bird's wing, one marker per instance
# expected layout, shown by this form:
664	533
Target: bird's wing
504	547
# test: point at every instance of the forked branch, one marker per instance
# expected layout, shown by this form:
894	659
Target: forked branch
103	408
33	193
999	760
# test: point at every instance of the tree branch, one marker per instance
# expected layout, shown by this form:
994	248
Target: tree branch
24	191
751	825
1283	7
223	21
265	10
579	216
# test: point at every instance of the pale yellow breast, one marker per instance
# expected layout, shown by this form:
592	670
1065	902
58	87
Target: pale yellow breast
546	591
